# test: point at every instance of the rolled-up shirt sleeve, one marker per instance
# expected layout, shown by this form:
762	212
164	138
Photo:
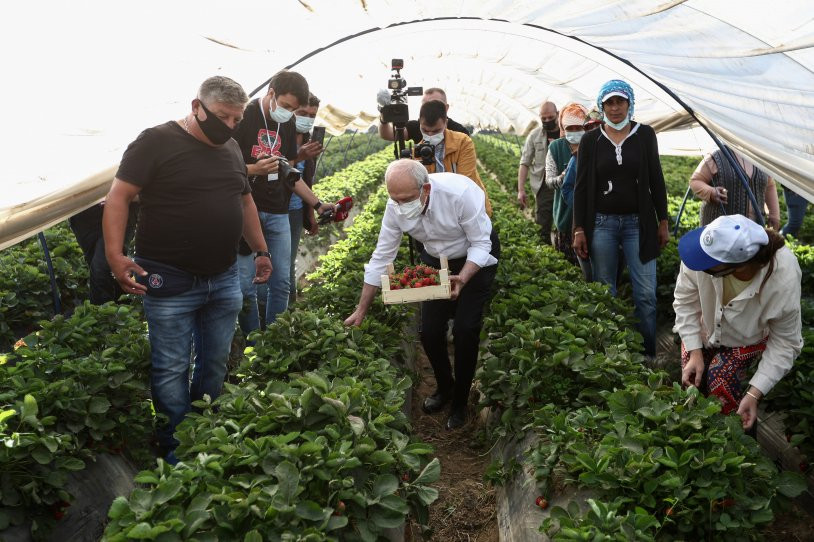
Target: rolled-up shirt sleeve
386	248
477	227
687	306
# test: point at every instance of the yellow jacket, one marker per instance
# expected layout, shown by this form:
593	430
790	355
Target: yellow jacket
460	157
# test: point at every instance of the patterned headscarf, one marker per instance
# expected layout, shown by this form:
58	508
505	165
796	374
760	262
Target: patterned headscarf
572	114
616	86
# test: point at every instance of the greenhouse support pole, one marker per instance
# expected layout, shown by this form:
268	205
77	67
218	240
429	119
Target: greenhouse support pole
369	139
50	264
727	152
319	160
681	210
345	156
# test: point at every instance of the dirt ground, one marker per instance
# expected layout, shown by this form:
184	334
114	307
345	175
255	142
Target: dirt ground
465	509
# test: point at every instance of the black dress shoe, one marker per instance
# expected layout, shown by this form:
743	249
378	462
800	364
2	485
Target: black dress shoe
435	403
457	419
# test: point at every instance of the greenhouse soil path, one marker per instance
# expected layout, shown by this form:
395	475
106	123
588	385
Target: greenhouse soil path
465	509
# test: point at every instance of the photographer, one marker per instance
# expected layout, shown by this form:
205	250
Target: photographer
412	130
267	137
442	150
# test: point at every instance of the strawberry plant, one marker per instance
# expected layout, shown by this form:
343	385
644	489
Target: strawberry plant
657	448
76	387
25	288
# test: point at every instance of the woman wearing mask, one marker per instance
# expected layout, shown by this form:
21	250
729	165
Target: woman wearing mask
300	216
620	199
560	154
737	296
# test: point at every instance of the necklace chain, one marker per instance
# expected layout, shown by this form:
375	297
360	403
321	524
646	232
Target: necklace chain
186	127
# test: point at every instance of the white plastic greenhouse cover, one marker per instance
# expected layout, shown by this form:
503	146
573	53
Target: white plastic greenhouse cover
81	79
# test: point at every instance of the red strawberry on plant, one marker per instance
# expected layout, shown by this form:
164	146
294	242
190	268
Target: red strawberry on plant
541	502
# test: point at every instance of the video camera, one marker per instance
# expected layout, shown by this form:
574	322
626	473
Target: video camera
423	151
396	111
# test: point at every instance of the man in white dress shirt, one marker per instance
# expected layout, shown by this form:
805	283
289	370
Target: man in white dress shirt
446	212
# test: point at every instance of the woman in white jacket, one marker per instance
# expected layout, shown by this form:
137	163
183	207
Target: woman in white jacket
737	296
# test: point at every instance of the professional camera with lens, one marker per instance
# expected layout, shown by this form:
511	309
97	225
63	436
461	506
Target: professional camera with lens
396	111
423	151
286	172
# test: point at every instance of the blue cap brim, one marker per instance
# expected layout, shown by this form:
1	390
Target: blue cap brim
691	253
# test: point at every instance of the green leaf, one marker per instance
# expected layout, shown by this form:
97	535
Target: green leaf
98	405
166	490
337	522
253	536
311	511
791	484
386	484
430	474
118	507
427	495
41	455
6	414
289	479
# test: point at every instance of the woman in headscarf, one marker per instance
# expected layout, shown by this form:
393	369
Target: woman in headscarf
737	300
620	199
558	158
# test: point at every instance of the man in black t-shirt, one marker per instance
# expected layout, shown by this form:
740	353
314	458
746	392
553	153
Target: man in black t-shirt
268	131
413	130
195	205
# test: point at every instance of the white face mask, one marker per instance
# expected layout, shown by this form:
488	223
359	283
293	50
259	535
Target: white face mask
411	209
574	137
434	139
304	124
280	114
618	125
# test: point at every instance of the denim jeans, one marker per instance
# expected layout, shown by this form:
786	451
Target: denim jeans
611	231
277	233
295	224
206	312
248	318
796	206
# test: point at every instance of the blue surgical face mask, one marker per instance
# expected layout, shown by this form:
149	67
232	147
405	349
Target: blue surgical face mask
574	137
279	114
304	124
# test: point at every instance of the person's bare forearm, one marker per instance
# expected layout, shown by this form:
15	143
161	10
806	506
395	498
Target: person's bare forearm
522	175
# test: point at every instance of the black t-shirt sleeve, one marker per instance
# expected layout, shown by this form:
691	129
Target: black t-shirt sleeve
413	131
457	127
138	163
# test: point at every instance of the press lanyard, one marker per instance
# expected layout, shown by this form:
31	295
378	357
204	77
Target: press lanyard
276	138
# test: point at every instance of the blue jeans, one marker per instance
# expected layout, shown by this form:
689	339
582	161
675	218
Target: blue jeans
206	312
277	233
611	231
796	206
248	318
295	224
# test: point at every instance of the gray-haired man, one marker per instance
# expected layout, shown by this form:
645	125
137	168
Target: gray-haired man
195	205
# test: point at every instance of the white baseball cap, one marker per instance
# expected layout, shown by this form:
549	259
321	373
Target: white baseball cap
727	239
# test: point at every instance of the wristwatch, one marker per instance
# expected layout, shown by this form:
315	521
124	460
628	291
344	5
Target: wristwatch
262	253
317	205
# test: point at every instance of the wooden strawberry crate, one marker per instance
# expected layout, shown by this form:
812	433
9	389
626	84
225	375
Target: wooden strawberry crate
415	295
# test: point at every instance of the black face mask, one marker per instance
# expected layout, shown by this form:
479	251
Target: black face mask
217	131
550	125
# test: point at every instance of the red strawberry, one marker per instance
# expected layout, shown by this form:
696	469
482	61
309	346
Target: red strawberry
541	502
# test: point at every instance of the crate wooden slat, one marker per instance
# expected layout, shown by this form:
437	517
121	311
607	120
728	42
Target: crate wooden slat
415	295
